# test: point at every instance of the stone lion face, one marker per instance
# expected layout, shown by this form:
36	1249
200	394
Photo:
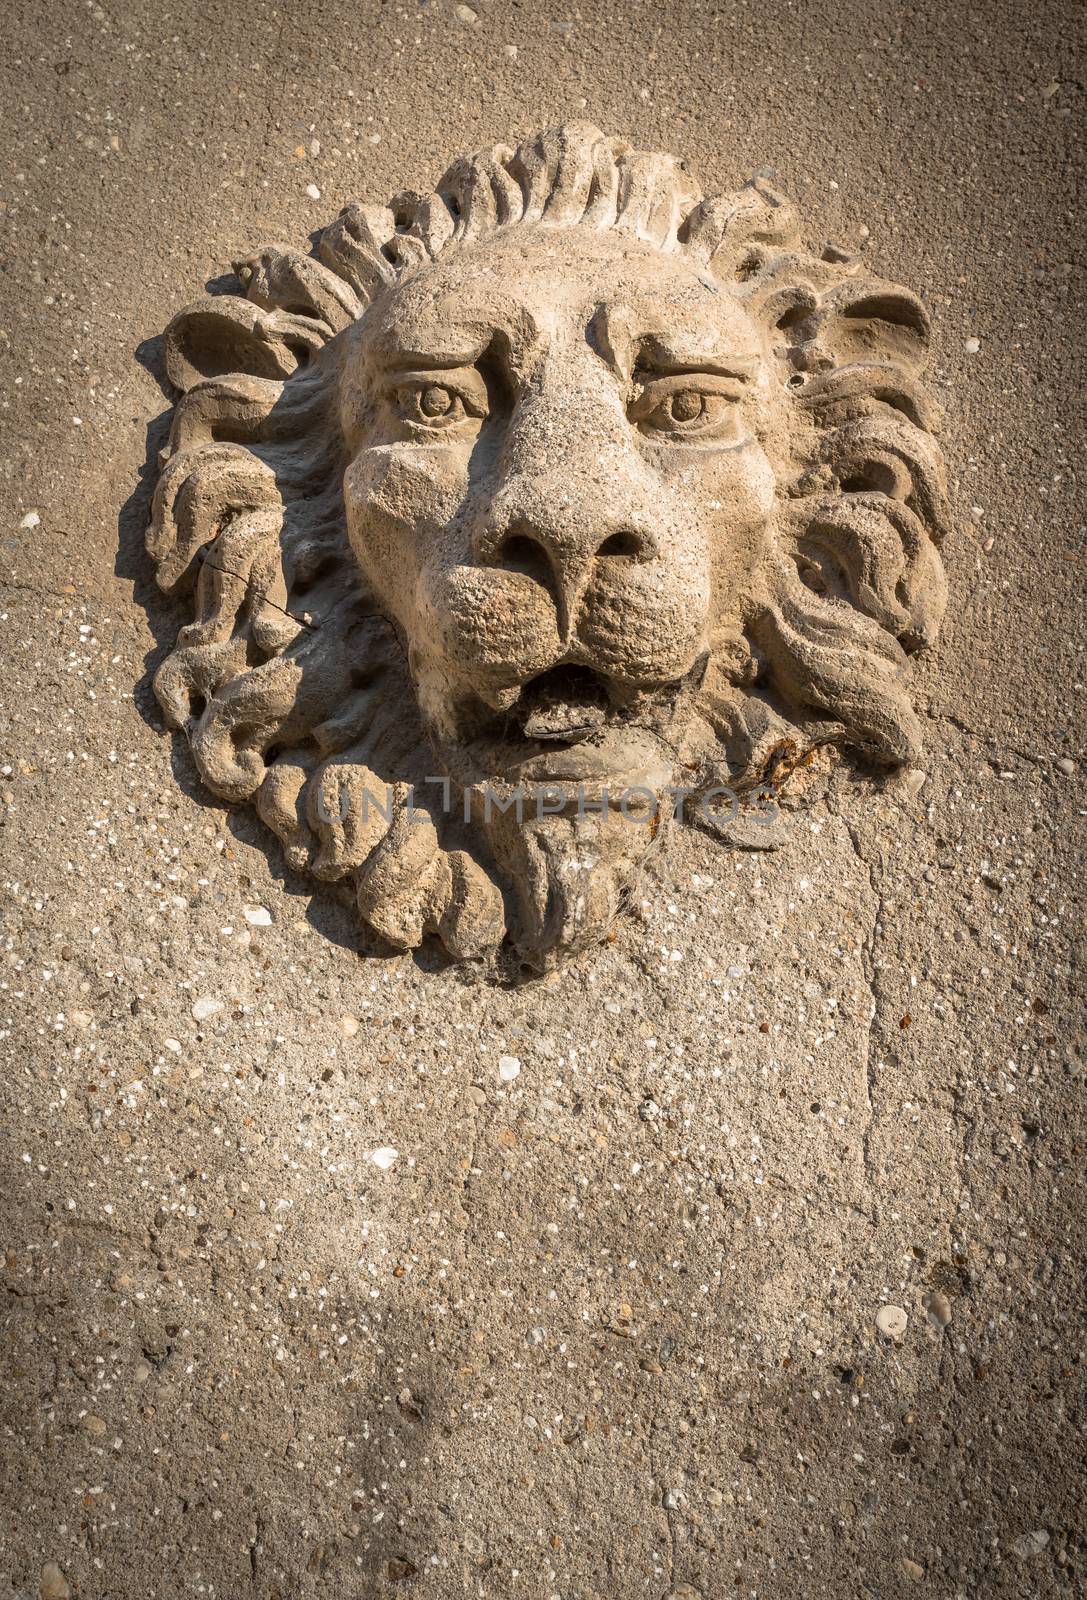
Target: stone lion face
556	487
561	481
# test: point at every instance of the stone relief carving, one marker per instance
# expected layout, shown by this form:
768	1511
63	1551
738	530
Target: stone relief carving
561	479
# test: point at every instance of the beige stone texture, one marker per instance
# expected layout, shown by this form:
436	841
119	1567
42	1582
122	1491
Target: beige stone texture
335	1270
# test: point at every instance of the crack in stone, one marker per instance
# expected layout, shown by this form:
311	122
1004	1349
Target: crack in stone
473	1141
265	598
870	967
989	741
261	594
43	592
658	1479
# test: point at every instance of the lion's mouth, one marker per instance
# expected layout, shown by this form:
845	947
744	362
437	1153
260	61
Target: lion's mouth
564	708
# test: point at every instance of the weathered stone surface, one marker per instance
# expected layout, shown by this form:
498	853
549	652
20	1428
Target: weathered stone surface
563	489
798	1084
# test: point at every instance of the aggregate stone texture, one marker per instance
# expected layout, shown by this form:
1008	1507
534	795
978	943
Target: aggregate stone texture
741	1255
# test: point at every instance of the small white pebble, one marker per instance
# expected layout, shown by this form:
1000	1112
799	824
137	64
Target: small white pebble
53	1585
384	1157
508	1068
349	1026
31	520
173	1044
207	1006
1066	765
972	346
258	916
466	15
891	1321
313	191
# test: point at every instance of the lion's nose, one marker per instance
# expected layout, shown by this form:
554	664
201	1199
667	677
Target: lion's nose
562	541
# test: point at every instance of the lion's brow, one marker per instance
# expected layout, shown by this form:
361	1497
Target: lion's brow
666	354
398	358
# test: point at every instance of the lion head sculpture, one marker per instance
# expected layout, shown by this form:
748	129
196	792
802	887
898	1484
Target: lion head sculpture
560	482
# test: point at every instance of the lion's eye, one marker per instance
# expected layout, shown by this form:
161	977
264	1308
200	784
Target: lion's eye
435	407
686	406
666	409
430	405
436	402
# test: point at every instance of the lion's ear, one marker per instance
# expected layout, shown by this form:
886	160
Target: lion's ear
226	334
